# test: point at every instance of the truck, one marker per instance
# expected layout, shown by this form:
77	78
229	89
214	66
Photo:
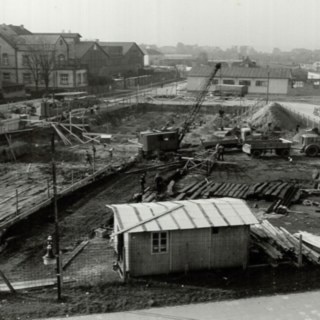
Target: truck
281	147
310	144
233	138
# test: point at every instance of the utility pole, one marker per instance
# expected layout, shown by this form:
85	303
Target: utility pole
56	221
267	100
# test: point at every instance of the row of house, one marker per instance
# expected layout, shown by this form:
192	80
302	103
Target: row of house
62	60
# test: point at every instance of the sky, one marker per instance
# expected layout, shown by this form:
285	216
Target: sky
263	24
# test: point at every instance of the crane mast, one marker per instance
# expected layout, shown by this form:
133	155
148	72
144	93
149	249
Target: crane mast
198	103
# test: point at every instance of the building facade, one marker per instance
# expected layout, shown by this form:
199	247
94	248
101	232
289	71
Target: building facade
20	49
165	237
258	80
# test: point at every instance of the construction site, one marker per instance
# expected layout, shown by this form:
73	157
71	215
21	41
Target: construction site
61	166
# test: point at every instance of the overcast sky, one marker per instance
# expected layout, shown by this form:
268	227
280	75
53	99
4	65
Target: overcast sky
263	24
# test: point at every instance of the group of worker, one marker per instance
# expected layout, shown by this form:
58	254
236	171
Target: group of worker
88	156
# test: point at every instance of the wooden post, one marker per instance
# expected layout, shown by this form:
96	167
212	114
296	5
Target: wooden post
300	252
17	202
124	264
48	188
7	282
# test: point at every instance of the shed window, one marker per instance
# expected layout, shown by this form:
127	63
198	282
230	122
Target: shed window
228	82
245	83
215	81
159	242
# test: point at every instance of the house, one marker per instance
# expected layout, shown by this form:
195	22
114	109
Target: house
19	46
258	80
126	58
175	236
152	57
93	56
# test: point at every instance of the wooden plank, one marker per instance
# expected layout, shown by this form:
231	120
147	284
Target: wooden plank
196	187
189	186
284	191
215	188
272	188
198	192
74	253
276	192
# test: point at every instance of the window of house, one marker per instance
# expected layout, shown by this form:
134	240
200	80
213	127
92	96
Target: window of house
5	59
228	82
261	83
61	58
84	78
64	78
26	78
79	78
159	242
245	82
6	76
25	59
215	81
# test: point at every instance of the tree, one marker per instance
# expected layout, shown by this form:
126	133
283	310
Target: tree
41	62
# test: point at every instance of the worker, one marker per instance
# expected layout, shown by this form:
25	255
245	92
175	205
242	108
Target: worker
290	160
297	128
94	151
143	182
110	153
88	158
220	153
158	182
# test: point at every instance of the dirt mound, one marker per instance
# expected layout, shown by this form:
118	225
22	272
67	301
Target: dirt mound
276	115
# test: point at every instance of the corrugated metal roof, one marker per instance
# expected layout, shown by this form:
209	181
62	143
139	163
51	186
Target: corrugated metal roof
241	72
190	214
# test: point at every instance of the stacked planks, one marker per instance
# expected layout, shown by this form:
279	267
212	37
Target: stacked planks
272	190
279	244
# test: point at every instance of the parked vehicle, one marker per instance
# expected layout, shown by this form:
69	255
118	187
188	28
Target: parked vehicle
281	147
310	144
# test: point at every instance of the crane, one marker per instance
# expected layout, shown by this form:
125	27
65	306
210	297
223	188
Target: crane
196	107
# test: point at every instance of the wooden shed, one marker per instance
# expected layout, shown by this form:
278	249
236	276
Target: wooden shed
174	236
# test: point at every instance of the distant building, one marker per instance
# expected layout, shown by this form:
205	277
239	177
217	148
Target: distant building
164	237
258	80
177	59
153	57
125	58
19	46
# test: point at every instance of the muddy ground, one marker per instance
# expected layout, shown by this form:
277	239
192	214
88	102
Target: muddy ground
86	211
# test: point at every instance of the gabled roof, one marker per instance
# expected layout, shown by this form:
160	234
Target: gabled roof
241	72
38	39
19	30
126	46
63	34
181	215
154	52
82	48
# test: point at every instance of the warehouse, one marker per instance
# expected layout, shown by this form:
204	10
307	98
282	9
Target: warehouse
258	80
164	237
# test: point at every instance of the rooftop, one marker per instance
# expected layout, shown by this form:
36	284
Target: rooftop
187	214
241	72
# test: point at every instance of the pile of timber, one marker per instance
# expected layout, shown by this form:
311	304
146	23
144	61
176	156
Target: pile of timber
272	190
310	240
279	244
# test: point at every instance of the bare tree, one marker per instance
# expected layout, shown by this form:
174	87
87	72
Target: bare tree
41	62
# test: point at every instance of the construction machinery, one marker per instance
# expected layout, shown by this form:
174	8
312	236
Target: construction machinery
281	147
310	144
170	140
